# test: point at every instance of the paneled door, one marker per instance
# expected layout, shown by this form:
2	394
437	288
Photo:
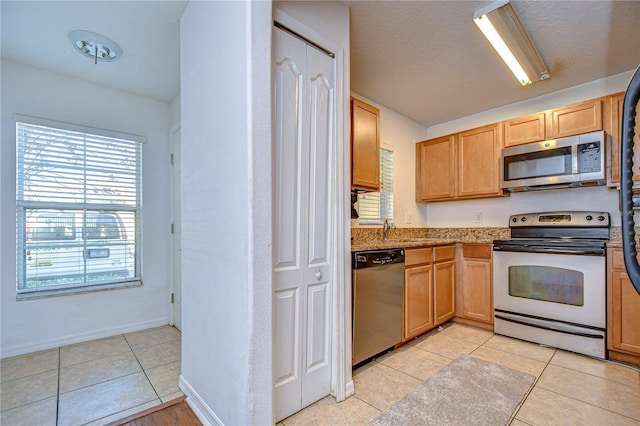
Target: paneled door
304	140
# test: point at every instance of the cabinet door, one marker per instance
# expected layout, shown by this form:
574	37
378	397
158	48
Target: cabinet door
444	291
365	146
477	290
527	129
624	314
479	162
574	119
435	169
418	306
614	128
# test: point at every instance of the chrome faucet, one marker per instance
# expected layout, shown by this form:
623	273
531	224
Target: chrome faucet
385	229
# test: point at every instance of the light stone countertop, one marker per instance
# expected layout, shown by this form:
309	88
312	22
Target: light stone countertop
415	243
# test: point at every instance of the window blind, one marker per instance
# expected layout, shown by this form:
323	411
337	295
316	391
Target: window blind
78	208
375	207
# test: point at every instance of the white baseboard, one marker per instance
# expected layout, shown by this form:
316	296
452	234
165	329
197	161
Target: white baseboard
199	407
9	351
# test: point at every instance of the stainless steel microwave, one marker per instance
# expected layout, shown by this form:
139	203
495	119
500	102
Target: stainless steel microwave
561	163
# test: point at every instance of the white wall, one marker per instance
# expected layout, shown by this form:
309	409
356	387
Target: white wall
31	325
401	134
226	210
496	212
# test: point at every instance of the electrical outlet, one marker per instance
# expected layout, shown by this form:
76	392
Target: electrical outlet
408	218
478	217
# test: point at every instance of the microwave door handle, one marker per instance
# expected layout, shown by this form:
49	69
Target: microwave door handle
631	98
574	159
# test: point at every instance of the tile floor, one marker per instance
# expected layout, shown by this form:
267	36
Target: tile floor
570	389
92	383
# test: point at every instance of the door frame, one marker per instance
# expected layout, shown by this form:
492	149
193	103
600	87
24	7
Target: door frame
176	281
341	378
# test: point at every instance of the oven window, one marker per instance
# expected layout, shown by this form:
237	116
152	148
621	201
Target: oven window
546	283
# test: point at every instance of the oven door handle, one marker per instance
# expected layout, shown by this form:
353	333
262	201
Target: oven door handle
553	250
548	325
631	98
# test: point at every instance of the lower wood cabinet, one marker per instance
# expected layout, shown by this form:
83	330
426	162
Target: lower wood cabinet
429	289
623	311
477	283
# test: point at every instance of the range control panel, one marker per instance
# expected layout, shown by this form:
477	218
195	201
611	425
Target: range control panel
560	219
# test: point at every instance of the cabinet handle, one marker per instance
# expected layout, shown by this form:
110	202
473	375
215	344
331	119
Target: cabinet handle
318	275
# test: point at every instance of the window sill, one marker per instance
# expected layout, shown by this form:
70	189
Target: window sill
44	294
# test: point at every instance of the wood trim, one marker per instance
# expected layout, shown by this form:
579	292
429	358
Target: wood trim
621	356
466	321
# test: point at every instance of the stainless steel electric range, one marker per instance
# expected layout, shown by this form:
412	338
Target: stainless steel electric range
550	280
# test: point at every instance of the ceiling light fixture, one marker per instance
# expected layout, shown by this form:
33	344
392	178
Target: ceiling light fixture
95	46
502	27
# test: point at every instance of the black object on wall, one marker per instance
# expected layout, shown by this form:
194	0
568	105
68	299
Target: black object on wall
631	98
354	199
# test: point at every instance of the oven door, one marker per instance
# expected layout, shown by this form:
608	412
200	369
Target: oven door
560	287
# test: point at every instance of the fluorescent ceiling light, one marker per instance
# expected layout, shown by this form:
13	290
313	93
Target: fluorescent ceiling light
502	27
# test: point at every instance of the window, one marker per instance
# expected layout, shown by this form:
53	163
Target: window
78	207
375	207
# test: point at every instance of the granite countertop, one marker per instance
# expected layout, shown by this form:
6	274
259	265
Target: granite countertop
415	243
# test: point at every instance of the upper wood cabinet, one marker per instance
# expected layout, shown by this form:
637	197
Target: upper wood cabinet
479	162
574	119
527	129
365	146
461	166
613	126
436	169
583	117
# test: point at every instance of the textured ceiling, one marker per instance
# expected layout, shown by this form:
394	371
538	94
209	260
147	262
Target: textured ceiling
423	59
428	61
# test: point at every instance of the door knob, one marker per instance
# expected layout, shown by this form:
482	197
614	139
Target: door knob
318	275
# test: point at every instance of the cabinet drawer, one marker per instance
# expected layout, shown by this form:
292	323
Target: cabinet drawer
418	256
444	253
476	251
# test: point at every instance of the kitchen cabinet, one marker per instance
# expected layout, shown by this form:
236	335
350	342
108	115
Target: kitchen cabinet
477	283
569	120
526	129
365	146
479	162
465	165
436	169
429	293
614	129
623	311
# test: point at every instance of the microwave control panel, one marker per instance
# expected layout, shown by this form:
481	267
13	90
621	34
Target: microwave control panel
589	157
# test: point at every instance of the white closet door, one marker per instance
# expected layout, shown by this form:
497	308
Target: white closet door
304	134
318	271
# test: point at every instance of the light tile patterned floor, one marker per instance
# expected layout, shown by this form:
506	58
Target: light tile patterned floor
570	390
92	383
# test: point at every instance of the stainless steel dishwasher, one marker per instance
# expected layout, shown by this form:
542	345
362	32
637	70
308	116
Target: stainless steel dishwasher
378	287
